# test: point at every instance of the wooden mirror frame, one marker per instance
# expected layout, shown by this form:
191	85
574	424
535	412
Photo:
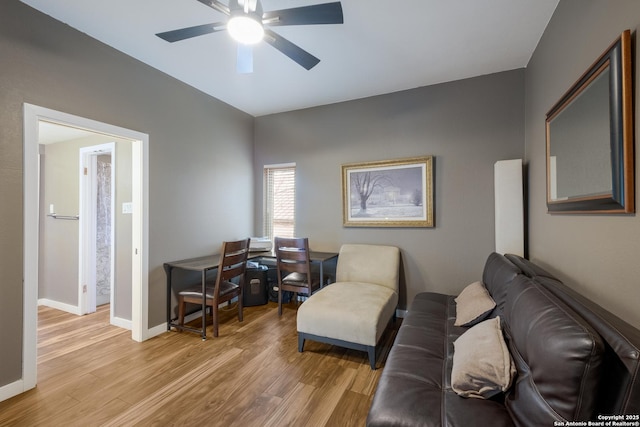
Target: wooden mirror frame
621	198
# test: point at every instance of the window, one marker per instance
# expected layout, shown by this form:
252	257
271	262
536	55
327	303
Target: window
279	200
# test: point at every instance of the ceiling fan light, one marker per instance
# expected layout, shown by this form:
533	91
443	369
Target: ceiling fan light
245	29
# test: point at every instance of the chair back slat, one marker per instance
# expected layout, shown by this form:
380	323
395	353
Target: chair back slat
293	267
292	254
229	260
232	272
233	262
293	261
237	246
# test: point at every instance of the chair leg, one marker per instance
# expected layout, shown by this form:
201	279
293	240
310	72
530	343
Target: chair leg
279	301
240	308
300	342
214	309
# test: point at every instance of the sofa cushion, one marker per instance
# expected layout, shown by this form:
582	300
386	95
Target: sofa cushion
620	386
473	305
497	275
482	365
557	354
414	388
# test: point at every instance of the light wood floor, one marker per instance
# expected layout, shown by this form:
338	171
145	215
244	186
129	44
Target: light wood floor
92	373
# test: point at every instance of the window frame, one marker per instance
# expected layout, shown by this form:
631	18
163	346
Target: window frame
268	228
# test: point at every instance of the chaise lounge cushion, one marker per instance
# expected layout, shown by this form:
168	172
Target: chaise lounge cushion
343	311
375	264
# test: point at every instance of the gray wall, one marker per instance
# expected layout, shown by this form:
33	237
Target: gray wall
195	144
595	254
467	125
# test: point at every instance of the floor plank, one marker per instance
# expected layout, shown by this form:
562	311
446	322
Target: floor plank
93	373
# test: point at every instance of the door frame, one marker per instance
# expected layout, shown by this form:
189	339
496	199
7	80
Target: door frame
87	250
33	114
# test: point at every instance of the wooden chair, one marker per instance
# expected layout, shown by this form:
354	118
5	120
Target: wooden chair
294	268
233	263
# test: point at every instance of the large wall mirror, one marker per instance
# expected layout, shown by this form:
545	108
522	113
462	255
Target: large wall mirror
590	147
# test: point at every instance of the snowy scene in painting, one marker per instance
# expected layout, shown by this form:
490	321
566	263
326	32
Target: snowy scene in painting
387	193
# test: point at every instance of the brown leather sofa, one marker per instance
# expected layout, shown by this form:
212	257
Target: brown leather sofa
575	361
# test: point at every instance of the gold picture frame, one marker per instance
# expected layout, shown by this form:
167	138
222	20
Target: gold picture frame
388	193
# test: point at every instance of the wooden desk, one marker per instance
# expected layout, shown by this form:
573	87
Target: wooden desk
210	262
314	256
202	265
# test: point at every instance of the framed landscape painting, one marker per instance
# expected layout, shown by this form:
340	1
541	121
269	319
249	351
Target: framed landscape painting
388	193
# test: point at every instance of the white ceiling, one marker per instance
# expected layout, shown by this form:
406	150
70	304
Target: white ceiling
382	47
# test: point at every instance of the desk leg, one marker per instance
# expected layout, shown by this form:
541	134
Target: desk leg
204	305
321	274
168	270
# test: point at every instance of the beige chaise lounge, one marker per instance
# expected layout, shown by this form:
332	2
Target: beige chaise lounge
354	311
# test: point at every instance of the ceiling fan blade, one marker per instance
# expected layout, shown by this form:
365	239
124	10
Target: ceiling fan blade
216	5
189	32
256	7
327	13
246	6
301	56
244	64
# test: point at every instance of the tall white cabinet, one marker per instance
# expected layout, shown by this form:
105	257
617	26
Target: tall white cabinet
509	207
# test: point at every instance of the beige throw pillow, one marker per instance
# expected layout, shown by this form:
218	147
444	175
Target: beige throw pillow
473	305
482	364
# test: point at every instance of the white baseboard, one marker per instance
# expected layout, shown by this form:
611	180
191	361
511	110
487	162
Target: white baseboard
156	330
115	321
121	323
12	389
73	309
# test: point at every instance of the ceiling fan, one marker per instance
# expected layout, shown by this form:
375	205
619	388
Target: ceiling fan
248	24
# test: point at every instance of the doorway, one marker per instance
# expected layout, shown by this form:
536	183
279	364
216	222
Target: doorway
104	229
32	212
97	249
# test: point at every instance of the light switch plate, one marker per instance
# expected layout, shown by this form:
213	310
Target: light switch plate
127	208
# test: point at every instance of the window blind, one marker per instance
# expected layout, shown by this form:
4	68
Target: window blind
279	201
